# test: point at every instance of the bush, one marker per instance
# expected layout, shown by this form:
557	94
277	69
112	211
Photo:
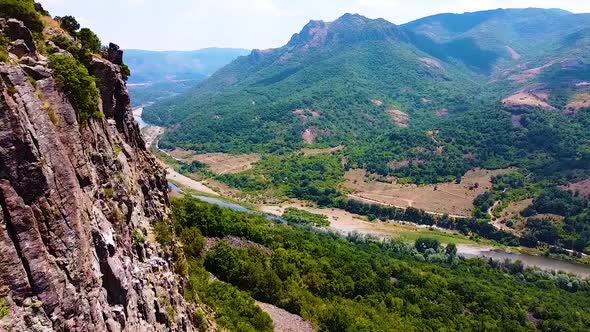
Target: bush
192	241
62	42
39	9
23	10
3	48
423	244
69	23
125	71
80	88
3	308
164	233
89	40
302	217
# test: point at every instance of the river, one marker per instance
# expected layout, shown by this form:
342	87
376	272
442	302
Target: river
468	251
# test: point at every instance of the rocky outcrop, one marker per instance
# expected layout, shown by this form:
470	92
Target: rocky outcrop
78	201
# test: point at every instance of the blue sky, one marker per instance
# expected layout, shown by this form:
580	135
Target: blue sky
195	24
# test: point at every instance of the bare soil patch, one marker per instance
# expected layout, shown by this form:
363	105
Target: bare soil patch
305	114
451	198
512	212
524	98
188	182
377	102
285	321
398	164
580	101
430	63
309	135
582	187
513	54
441	112
398	117
315	152
219	163
528	74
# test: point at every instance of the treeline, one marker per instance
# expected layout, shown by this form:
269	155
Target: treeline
362	284
572	233
464	225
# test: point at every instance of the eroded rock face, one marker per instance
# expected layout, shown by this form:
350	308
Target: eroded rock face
72	197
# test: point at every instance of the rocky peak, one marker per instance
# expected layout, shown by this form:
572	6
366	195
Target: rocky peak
78	202
349	28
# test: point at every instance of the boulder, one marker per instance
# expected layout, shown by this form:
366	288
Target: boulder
19	48
115	54
37	72
16	30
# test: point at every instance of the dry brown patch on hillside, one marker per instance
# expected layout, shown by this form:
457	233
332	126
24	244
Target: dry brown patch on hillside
451	198
377	102
398	164
398	117
309	135
528	74
524	98
430	63
315	152
513	54
219	163
578	102
441	112
582	187
305	114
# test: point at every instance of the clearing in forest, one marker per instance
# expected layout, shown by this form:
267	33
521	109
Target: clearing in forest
219	163
315	152
455	199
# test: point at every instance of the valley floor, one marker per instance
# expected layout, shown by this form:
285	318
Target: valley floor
346	223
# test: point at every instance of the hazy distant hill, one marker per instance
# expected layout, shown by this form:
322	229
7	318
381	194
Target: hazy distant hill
158	75
153	66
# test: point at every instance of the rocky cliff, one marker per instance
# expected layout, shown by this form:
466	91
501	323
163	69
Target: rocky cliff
78	200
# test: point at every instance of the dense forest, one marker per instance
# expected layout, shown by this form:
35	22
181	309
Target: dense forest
362	284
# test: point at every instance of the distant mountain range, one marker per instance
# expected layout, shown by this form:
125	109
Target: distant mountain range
438	96
158	75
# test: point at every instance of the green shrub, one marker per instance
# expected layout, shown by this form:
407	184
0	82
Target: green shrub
89	40
3	308
3	48
423	244
125	71
69	23
80	88
296	216
164	233
62	42
39	9
23	10
138	237
192	241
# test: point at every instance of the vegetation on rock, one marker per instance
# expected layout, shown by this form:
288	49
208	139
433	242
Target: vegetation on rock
23	10
79	86
89	41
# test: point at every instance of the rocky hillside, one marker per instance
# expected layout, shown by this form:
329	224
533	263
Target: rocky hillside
78	198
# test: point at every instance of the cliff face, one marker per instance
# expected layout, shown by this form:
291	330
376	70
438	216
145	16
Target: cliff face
76	248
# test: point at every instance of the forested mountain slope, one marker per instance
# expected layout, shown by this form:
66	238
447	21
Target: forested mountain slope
490	84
